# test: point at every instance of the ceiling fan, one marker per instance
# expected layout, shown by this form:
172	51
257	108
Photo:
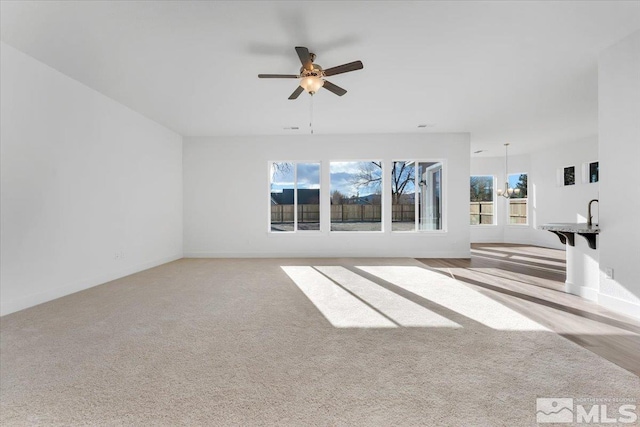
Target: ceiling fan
312	75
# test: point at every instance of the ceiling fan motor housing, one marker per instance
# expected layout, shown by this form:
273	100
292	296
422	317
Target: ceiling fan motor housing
316	71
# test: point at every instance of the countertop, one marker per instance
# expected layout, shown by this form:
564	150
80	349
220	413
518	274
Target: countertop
567	227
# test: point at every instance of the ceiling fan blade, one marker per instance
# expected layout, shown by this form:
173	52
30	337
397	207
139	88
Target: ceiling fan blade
333	88
277	76
296	92
344	68
305	57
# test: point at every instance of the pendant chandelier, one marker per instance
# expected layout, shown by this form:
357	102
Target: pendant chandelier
508	192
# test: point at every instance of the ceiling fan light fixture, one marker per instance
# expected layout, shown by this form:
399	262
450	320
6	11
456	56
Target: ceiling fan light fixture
311	84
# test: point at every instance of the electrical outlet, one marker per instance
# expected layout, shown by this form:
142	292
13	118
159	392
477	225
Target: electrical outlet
116	255
608	273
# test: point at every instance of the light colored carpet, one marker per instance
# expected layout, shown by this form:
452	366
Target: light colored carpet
238	342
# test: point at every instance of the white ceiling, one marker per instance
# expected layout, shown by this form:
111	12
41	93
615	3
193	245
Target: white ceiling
519	72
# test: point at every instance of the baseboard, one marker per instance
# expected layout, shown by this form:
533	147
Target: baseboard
620	306
528	242
11	306
487	240
206	254
590	294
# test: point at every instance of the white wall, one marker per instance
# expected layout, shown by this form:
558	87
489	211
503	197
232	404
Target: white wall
500	232
619	132
83	177
226	195
548	201
556	203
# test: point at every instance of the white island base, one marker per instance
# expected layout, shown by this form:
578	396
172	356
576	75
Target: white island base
583	264
583	271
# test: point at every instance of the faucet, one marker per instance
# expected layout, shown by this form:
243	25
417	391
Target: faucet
589	221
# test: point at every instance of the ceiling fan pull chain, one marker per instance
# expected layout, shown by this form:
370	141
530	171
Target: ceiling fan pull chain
311	115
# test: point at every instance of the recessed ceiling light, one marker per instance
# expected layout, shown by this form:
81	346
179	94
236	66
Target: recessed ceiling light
291	128
479	151
426	125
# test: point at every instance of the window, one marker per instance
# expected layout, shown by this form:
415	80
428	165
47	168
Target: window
430	202
295	197
356	197
518	202
403	196
481	200
421	209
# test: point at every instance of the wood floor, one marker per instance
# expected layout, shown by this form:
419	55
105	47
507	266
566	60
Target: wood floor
530	280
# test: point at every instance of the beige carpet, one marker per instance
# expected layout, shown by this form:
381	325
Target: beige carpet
238	342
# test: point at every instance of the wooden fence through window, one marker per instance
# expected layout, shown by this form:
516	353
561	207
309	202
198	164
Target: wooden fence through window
341	213
482	212
517	211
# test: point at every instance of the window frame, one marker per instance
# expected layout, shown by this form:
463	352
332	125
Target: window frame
494	199
383	168
295	198
508	204
443	190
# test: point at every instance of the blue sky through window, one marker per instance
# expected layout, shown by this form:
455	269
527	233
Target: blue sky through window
282	177
345	177
514	179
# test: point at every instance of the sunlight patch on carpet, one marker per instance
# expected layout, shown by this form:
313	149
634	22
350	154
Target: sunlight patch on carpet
398	308
455	296
338	306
